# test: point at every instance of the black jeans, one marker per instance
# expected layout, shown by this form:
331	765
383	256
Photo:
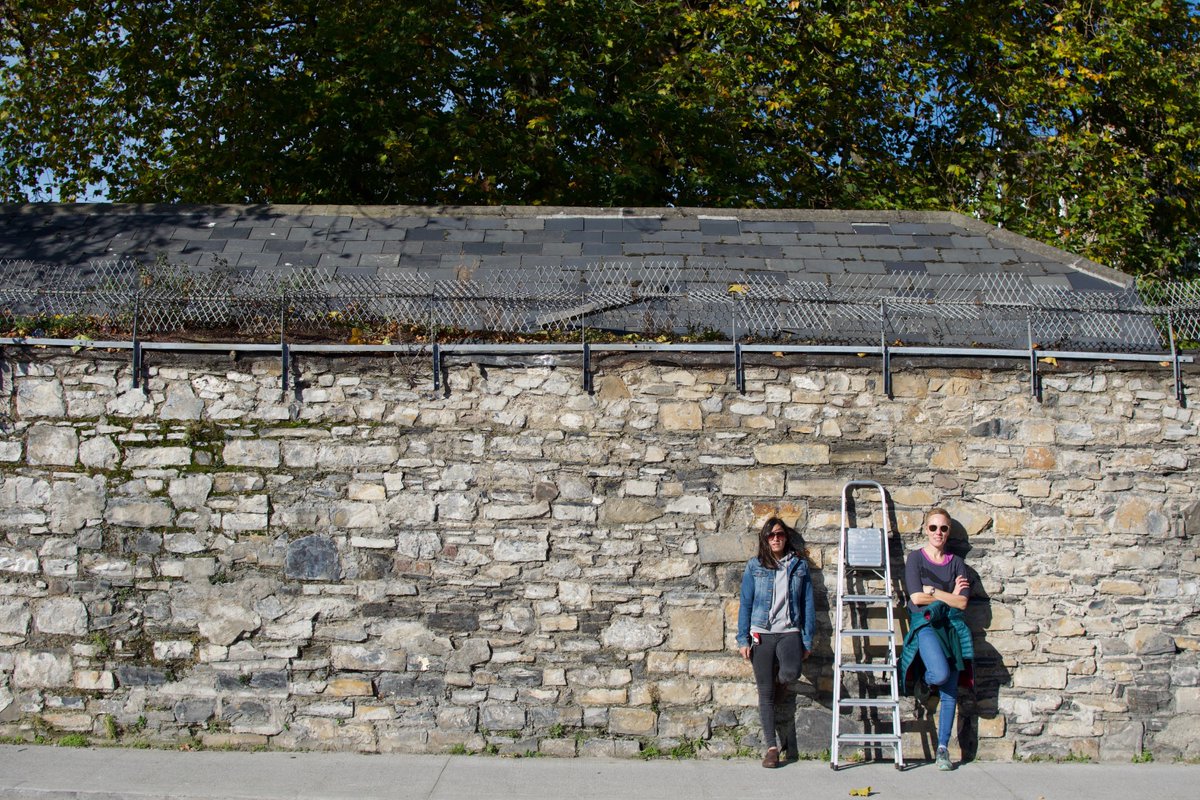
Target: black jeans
776	659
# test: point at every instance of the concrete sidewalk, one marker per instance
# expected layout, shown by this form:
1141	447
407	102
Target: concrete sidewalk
29	772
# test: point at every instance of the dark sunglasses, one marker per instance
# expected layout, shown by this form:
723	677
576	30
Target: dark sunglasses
942	528
773	534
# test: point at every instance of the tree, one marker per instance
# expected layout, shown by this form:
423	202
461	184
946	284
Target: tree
1072	121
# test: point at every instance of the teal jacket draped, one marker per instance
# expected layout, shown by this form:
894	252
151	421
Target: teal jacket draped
950	625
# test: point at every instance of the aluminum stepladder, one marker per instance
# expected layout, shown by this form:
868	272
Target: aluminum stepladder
863	560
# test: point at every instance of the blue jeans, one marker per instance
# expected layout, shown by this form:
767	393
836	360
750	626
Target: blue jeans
939	673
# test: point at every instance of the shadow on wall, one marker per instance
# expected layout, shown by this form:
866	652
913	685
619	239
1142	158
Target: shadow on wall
980	704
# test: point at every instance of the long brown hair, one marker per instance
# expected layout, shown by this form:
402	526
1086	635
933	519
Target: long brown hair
765	556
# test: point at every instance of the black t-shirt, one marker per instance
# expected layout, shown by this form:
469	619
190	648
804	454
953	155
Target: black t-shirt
919	571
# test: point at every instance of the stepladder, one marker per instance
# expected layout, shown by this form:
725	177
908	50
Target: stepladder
866	690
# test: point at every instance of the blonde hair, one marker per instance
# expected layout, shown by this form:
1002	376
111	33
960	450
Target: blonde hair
936	511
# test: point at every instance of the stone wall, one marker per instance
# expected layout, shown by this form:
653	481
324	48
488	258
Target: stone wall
515	566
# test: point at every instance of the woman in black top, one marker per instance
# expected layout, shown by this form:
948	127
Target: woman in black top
931	574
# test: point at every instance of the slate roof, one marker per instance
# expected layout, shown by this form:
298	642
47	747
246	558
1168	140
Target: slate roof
457	242
809	276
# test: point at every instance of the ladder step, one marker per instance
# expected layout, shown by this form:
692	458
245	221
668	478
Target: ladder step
866	632
868	738
867	667
866	598
868	702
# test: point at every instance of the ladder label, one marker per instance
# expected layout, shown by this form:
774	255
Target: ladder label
864	547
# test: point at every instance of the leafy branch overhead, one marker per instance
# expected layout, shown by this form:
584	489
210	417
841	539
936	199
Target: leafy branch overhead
1074	121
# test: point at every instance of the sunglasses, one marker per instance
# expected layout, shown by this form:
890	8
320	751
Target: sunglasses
773	534
939	528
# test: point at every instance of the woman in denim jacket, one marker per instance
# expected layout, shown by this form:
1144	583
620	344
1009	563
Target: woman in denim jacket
776	619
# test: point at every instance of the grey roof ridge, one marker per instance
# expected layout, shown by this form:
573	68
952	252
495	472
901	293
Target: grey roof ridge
766	214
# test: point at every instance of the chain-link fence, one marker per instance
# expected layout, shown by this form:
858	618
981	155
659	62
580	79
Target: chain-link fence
661	301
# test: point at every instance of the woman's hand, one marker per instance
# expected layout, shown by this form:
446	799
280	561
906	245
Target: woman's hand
745	651
961	584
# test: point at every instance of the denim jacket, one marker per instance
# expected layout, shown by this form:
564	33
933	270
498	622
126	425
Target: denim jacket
758	585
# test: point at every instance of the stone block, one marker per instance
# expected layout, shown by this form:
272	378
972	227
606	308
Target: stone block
631	634
761	482
1040	458
557	748
696	629
139	675
857	456
39	397
1120	587
15	614
731	667
628	510
252	716
947	457
174	649
597	748
132	513
727	548
792	454
575	594
915	496
364	658
349	687
233	741
156	457
690	504
470	653
558	623
79	721
51	445
181	403
516	550
500	511
457	506
501	716
261	453
680	417
91	680
190	491
1181	736
680	723
1011	523
736	695
313	558
424	545
682	691
1122	741
61	615
664	569
632	721
354	515
992	727
814	487
42	669
1040	677
1150	641
226	621
99	452
1001	750
601	697
194	710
